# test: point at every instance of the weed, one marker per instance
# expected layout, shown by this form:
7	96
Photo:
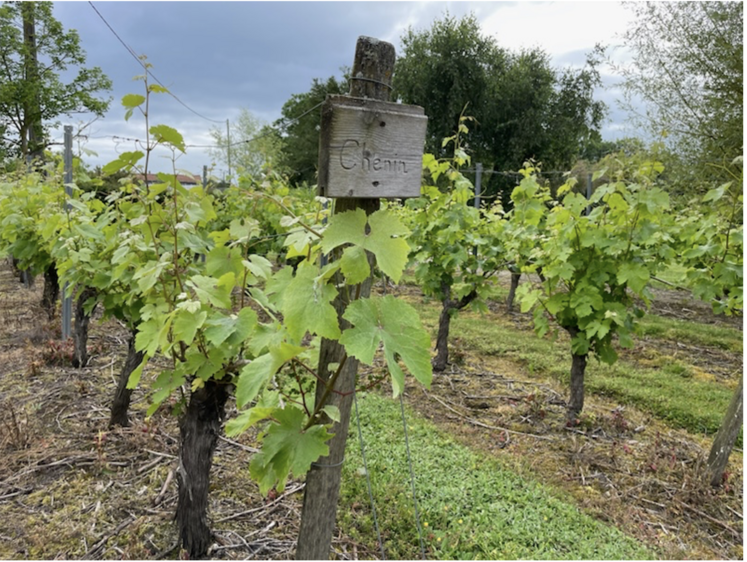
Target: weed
618	420
15	429
58	353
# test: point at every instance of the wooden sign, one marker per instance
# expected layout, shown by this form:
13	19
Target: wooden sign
370	148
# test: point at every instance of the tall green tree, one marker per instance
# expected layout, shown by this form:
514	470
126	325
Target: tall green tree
248	146
299	129
687	67
34	51
445	69
523	107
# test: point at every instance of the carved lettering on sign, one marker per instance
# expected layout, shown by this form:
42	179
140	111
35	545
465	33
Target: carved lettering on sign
370	149
354	154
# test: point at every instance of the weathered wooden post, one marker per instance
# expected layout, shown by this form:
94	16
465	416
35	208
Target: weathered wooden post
67	300
368	149
727	435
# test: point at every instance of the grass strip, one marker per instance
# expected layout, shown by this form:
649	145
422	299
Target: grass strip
670	393
470	506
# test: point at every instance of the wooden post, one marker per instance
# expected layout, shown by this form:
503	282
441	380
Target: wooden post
371	76
727	435
67	300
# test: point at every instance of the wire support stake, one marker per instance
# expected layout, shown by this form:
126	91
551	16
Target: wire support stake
412	479
368	476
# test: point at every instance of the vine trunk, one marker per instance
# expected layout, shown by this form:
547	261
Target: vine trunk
121	402
80	328
199	430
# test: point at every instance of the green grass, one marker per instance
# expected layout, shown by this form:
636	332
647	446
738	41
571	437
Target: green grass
692	333
669	393
470	507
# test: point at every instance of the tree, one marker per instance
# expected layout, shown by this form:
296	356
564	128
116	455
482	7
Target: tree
34	51
299	129
523	108
252	144
687	67
447	71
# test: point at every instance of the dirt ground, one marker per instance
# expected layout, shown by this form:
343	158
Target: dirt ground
70	488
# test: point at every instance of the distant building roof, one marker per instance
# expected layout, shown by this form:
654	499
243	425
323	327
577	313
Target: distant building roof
184	179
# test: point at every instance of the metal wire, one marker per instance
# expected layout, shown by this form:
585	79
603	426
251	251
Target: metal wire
372	81
368	477
412	479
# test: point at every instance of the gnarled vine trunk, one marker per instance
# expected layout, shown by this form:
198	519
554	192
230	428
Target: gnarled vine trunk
80	328
444	322
51	291
121	402
578	368
199	429
515	278
24	276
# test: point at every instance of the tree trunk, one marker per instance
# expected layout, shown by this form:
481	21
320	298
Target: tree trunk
80	328
444	322
121	402
725	438
199	429
578	368
373	66
51	291
515	278
31	107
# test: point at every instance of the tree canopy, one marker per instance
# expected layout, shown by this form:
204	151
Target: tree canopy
523	107
299	129
687	68
35	50
252	144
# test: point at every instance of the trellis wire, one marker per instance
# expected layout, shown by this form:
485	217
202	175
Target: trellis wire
412	479
368	476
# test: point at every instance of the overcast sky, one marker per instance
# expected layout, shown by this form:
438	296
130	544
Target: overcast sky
220	57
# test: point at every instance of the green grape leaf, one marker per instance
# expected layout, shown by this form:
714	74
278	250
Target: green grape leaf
243	229
260	266
132	100
397	325
221	260
333	412
259	372
246	322
215	291
266	404
634	274
135	375
186	324
388	243
354	265
306	305
385	239
169	135
219	328
287	449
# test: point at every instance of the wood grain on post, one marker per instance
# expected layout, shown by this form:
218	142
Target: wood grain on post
371	77
727	435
